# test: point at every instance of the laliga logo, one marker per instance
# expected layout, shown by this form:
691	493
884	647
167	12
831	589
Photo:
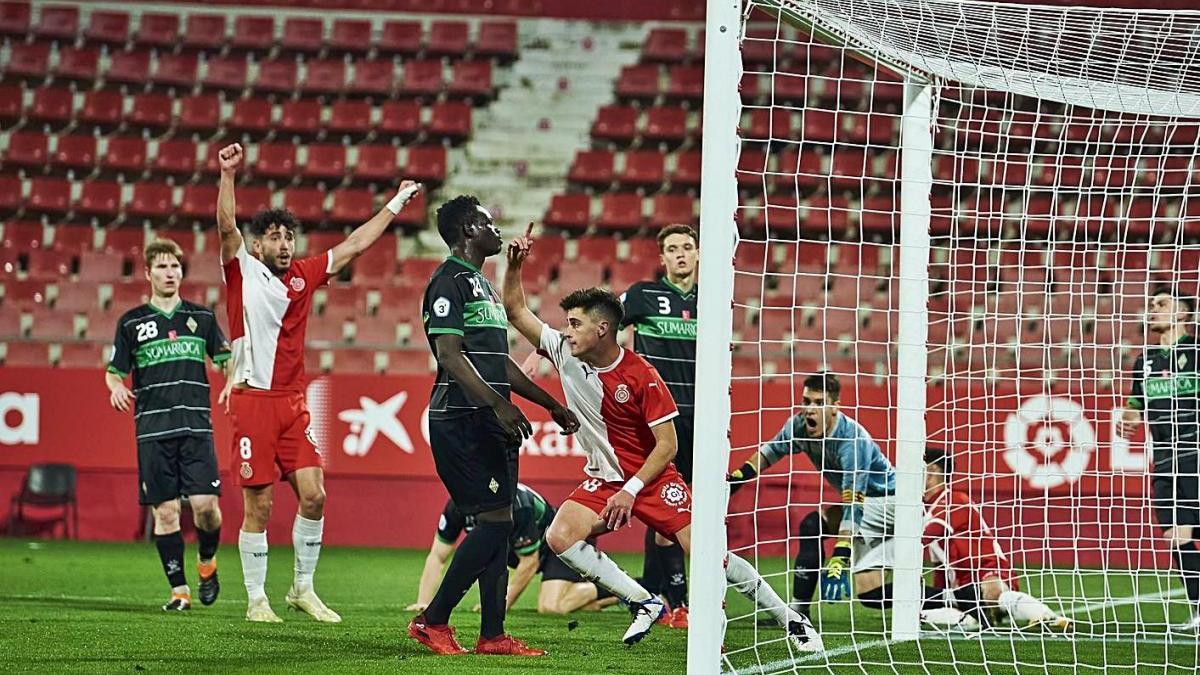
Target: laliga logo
1048	416
18	418
372	419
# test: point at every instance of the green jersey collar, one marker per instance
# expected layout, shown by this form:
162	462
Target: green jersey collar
165	313
464	263
677	289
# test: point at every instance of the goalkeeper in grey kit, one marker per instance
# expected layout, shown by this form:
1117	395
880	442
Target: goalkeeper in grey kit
852	462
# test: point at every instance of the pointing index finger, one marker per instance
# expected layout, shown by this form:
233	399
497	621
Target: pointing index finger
529	230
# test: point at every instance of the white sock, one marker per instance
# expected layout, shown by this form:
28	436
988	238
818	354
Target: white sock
1024	607
746	580
306	537
252	546
594	566
181	590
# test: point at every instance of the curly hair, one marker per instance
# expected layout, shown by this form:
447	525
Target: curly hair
454	215
263	221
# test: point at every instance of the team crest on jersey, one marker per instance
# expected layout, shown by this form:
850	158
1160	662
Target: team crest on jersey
297	284
192	325
1182	361
247	471
621	394
673	494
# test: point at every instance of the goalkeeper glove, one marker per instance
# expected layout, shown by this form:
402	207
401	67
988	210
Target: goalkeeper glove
744	474
835	578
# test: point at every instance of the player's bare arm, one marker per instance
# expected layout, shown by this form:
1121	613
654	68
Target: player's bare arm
230	158
518	580
118	394
369	232
529	390
439	554
747	472
619	509
450	357
519	315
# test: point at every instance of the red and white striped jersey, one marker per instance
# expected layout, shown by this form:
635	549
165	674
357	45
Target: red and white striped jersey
958	537
268	316
617	406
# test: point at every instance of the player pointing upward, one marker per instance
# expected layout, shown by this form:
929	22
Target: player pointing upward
270	295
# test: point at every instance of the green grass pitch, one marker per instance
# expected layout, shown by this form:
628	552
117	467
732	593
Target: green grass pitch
90	607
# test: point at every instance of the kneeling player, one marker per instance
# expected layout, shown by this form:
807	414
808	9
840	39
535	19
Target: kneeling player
562	591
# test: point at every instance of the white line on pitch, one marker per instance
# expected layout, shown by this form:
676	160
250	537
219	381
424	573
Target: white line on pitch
1094	607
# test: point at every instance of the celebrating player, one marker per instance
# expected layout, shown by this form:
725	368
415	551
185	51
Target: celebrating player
270	295
474	429
852	463
163	343
626	414
563	591
663	314
1166	389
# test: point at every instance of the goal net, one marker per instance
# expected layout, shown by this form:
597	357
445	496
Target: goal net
961	210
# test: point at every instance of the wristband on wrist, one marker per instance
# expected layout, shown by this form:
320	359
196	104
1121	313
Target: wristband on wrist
842	549
633	486
401	198
746	472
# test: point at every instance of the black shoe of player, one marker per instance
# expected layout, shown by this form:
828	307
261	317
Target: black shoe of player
210	588
178	603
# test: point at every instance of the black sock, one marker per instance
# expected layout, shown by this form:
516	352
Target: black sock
485	541
881	598
966	599
808	561
208	540
602	592
170	552
652	572
674	574
1188	561
493	588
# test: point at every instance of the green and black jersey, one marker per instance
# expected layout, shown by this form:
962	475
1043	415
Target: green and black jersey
461	301
1166	386
165	354
665	320
532	516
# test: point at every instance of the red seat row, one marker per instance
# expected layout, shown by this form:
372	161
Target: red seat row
642	82
619	124
644	169
619	211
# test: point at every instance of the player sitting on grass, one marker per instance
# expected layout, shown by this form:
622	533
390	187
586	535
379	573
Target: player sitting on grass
625	413
562	591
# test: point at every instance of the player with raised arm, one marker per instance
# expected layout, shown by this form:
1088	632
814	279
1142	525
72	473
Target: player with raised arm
163	344
269	299
1166	391
562	590
663	315
854	465
475	431
626	416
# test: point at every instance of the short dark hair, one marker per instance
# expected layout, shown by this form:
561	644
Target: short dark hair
940	458
826	382
677	229
595	300
1187	300
454	215
161	247
262	222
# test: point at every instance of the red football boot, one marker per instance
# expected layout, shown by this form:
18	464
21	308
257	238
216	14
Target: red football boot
506	645
678	618
439	639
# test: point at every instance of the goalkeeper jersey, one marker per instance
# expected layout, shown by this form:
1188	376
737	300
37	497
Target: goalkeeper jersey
848	458
1166	386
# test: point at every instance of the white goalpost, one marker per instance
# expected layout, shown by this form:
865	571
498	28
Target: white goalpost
960	209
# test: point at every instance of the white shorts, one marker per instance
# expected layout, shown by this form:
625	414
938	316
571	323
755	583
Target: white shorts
874	547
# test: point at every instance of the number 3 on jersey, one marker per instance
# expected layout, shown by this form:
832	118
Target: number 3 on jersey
244	447
664	305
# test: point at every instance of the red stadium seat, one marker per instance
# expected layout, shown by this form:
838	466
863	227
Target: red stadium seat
377	265
27	149
78	298
497	39
76	152
447	38
10	197
199	201
324	76
87	355
276	160
450	119
665	45
205	268
593	168
277	76
373	77
400	37
29	61
620	211
472	79
400	119
176	70
569	212
409	361
301	117
11	104
250	200
753	166
770	123
14	18
615	123
251	115
671	209
306	203
49	195
350	36
665	125
110	28
126	242
24	294
49	324
687	169
102	109
375	163
129	67
373	331
125	154
685	83
253	33
350	117
643	168
638	82
152	200
353	206
867	129
127	294
199	113
23	235
53	106
158	30
152	111
205	32
99	198
75	238
413	213
303	35
228	73
78	63
49	264
58	22
176	156
354	361
27	355
421	78
317	243
426	164
326	161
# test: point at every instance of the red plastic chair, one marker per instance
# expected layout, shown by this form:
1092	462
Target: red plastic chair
75	152
125	154
471	79
58	22
637	82
400	119
110	28
77	298
48	264
251	115
497	39
569	212
22	235
303	35
51	325
199	201
375	163
14	18
102	109
447	38
30	61
53	106
100	198
227	73
421	78
324	76
152	111
372	77
49	195
10	201
276	160
593	168
199	113
665	45
350	36
176	70
427	164
205	32
75	238
620	211
27	149
176	156
400	37
11	104
643	168
302	117
685	83
251	200
27	355
277	76
158	30
81	355
350	117
253	33
451	120
377	265
326	161
671	209
152	200
126	242
78	63
102	266
665	125
687	170
129	67
353	206
413	213
615	123
306	203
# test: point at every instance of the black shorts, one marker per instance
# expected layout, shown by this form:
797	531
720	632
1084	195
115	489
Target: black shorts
684	427
171	467
476	460
1177	494
552	568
